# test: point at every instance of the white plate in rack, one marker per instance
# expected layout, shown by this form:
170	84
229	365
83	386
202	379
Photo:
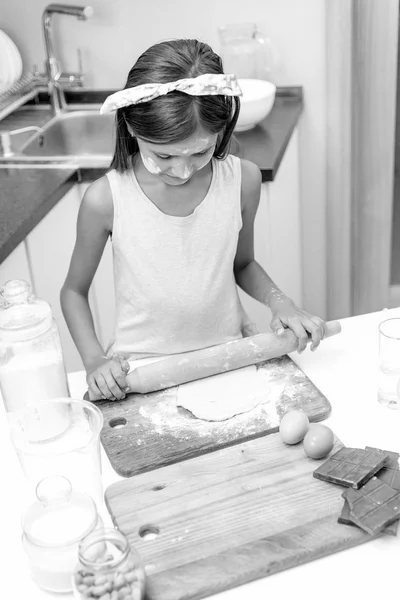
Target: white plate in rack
10	62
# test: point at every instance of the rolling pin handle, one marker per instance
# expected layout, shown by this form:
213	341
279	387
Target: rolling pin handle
332	328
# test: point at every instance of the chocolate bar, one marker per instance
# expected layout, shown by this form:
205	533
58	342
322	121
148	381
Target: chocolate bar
373	506
351	467
346	519
390	472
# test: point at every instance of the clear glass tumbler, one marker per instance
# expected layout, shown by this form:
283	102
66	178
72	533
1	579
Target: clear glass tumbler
389	363
61	437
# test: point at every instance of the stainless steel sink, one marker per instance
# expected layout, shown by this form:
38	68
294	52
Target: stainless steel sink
82	137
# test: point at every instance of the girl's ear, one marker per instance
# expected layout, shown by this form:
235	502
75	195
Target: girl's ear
129	128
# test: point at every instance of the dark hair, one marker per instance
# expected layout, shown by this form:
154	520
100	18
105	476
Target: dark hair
175	116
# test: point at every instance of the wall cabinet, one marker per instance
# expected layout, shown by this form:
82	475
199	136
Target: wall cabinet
50	246
16	265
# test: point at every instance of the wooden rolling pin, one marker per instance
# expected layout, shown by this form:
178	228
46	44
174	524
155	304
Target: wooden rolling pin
189	366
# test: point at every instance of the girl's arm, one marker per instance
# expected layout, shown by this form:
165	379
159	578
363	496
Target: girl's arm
93	229
252	278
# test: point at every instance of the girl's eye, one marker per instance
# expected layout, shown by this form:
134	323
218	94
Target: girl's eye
197	154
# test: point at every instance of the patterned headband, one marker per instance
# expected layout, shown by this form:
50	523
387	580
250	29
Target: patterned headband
204	85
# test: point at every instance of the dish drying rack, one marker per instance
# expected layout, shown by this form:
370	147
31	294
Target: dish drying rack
23	90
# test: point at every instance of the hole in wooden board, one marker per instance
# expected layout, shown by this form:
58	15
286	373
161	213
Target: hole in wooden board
149	532
117	422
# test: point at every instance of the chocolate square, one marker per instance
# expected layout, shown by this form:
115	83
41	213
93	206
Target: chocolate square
390	472
351	467
345	519
390	477
373	506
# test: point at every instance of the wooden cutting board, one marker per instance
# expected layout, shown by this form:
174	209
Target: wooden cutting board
229	517
146	432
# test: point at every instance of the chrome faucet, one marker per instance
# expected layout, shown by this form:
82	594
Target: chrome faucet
5	139
54	72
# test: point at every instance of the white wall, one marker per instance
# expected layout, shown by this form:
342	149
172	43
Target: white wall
122	29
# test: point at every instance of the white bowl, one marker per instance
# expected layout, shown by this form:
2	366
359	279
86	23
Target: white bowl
256	103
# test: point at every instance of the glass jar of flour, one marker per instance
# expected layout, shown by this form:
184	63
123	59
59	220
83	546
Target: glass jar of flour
31	359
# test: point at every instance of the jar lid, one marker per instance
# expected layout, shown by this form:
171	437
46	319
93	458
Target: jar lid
61	516
22	315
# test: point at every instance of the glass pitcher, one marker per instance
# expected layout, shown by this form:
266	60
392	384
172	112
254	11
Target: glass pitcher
246	52
31	359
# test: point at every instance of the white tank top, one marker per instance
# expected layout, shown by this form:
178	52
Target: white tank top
174	283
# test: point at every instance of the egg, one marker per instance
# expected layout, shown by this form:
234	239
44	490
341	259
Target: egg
294	426
318	441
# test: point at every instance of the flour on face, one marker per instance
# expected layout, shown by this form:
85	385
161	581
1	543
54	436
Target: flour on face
150	164
179	160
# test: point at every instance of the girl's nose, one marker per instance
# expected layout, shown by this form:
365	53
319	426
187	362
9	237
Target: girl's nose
182	169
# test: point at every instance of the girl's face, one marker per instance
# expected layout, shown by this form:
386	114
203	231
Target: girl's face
176	163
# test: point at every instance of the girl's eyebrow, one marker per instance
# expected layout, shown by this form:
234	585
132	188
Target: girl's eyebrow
197	152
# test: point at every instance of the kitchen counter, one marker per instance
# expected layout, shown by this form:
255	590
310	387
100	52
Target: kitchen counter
26	196
28	192
345	370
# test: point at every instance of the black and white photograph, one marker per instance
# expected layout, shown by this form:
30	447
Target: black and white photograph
200	299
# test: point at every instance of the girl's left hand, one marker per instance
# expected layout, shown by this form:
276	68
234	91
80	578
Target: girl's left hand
286	314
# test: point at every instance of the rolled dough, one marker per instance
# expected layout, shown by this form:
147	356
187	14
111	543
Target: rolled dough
223	396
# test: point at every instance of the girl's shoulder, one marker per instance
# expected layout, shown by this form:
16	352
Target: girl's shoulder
98	199
251	181
250	173
97	203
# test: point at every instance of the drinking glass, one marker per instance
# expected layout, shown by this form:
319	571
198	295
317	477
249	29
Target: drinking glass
389	363
60	437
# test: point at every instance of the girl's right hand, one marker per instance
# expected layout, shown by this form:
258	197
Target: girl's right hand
107	378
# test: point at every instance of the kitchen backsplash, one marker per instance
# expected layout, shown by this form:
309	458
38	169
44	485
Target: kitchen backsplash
121	29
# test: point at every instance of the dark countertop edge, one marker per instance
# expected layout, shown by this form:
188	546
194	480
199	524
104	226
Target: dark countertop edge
77	176
45	207
295	92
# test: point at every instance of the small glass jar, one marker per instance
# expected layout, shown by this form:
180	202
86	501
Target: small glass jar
53	528
108	568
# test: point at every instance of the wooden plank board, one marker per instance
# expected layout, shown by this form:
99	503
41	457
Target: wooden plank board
146	432
230	517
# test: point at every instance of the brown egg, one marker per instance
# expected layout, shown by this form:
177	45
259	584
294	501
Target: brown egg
318	441
294	426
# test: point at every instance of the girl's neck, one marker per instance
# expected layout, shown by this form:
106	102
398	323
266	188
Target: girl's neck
175	200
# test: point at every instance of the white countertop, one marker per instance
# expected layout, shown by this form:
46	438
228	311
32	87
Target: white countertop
345	370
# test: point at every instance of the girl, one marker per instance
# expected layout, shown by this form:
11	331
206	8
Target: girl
180	212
